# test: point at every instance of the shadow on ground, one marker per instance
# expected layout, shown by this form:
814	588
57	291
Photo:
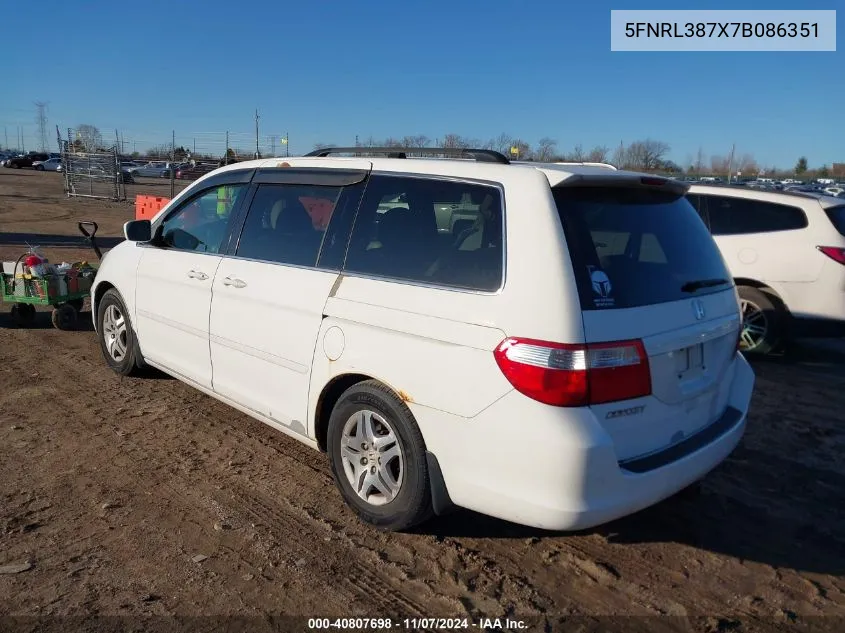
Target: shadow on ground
47	240
770	505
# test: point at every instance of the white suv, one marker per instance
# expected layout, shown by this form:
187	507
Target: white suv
558	351
786	252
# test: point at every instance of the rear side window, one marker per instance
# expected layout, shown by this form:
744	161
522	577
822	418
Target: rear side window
837	216
427	230
740	216
633	247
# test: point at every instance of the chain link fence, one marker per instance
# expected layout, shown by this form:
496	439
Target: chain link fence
165	169
90	169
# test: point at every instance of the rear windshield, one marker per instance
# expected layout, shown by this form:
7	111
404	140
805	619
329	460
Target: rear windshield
634	247
837	216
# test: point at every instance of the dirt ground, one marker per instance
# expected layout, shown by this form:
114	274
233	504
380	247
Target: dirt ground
112	489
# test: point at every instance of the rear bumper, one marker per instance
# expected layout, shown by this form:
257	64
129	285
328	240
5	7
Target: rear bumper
554	469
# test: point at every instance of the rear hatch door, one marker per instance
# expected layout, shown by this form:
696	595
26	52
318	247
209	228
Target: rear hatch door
648	270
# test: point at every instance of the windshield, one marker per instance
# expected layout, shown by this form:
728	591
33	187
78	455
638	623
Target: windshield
633	247
837	216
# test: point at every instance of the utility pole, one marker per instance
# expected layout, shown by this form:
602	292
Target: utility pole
172	160
6	134
226	155
287	145
41	121
256	132
195	147
731	163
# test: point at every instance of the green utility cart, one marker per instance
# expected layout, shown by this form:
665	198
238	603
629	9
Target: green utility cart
65	291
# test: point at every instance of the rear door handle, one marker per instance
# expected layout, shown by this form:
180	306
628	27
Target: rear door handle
196	274
234	281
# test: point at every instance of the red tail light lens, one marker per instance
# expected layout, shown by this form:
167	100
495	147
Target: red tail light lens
566	375
836	253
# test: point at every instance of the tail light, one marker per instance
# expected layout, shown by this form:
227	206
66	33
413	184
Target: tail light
567	375
836	253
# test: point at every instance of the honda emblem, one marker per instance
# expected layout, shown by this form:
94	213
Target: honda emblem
698	309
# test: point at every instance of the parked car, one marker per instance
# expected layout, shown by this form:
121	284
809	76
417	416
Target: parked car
51	164
565	357
188	172
153	170
26	160
786	253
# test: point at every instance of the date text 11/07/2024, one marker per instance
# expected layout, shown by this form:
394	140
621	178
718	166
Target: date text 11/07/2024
413	624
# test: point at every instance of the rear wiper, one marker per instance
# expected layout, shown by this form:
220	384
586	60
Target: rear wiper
692	286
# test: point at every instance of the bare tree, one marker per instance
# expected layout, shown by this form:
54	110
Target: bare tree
501	143
89	137
420	140
719	165
647	155
455	141
620	156
699	161
392	142
577	155
746	164
546	149
598	154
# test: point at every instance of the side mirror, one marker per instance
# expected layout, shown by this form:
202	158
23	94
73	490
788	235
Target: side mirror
138	231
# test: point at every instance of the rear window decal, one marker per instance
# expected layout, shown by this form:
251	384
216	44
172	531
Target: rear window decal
602	288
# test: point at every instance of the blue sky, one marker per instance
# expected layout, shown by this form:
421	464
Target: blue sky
326	71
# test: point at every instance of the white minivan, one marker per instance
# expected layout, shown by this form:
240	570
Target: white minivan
554	345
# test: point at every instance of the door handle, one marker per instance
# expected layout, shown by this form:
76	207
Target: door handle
196	274
234	281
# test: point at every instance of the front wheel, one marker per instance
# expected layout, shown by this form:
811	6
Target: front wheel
378	458
117	337
764	321
39	168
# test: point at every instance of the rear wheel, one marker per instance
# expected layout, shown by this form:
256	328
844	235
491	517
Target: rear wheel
378	458
764	321
23	314
65	317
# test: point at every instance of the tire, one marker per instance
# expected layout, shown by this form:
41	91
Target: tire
39	168
764	321
65	317
407	468
23	314
119	344
78	304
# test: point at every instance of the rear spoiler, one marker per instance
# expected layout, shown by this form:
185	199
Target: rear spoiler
625	179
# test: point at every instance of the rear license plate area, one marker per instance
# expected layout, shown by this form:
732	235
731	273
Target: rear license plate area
691	358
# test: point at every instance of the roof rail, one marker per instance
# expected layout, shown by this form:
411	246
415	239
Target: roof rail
481	155
604	165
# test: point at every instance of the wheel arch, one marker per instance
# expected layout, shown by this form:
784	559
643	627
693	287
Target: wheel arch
762	287
102	288
331	393
328	399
